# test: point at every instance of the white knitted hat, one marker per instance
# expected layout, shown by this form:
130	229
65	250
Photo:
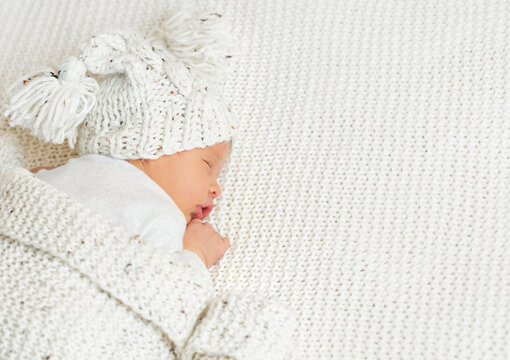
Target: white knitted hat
150	96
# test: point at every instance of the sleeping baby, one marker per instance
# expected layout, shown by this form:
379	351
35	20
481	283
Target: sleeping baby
151	128
162	200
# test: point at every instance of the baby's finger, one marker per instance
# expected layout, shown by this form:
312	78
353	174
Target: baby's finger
195	220
226	241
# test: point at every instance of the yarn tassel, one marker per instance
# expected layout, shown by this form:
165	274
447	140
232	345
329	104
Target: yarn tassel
52	105
201	41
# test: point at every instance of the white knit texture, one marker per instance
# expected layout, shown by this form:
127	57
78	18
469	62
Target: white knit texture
368	184
75	286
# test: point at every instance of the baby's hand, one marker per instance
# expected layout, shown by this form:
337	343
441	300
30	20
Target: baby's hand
204	241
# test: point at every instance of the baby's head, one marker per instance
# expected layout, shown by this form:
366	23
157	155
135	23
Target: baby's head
133	97
189	177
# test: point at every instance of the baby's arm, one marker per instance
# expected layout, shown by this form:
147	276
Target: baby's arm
191	258
160	236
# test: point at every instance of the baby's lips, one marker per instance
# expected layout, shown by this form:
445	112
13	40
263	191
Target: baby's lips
201	213
198	212
207	210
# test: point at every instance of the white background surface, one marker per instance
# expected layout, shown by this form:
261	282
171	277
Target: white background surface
368	185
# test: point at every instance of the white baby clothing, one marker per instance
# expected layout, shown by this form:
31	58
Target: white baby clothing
124	193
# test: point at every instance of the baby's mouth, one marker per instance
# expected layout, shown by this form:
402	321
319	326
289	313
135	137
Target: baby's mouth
201	212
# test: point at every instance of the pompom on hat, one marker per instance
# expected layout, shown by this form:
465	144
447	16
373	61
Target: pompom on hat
151	95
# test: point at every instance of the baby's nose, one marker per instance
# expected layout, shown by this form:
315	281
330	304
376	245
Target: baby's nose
215	190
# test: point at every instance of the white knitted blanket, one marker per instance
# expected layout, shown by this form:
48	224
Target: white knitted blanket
368	186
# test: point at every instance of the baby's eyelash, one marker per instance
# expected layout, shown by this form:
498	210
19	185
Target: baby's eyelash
207	163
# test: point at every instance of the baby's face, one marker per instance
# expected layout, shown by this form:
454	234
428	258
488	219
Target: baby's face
189	177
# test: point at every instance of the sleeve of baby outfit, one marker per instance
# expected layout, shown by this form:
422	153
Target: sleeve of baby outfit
167	233
192	259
